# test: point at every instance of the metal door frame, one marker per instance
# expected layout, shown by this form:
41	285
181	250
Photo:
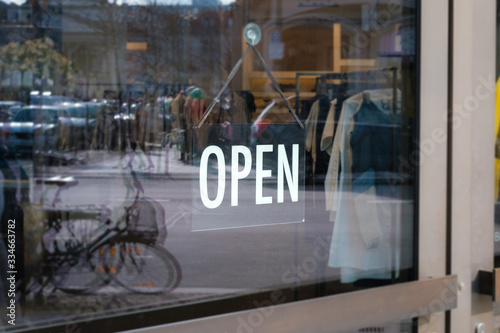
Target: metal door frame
471	159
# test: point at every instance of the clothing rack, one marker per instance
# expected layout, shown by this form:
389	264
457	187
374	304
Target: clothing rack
388	76
369	76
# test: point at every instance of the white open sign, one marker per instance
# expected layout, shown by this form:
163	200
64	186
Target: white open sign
248	189
283	167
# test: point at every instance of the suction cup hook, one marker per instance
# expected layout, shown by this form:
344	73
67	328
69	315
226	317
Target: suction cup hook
252	34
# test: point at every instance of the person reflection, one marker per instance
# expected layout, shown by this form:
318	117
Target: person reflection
142	133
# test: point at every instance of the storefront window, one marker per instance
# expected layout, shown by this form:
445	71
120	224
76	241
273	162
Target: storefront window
167	160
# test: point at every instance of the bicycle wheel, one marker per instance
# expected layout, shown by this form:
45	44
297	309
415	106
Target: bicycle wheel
77	274
105	261
145	269
73	267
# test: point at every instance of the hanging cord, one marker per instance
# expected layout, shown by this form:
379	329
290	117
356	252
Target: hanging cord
224	86
277	87
252	36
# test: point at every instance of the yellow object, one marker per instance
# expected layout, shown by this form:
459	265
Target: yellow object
497	126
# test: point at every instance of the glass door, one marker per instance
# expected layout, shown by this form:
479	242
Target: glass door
225	166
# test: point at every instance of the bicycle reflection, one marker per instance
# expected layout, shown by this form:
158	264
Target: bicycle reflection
87	248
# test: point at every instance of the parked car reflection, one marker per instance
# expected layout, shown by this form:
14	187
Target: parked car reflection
46	98
83	122
127	111
10	108
39	129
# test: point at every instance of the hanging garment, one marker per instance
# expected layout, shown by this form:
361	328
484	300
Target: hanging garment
332	120
373	141
360	202
317	223
316	159
311	130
